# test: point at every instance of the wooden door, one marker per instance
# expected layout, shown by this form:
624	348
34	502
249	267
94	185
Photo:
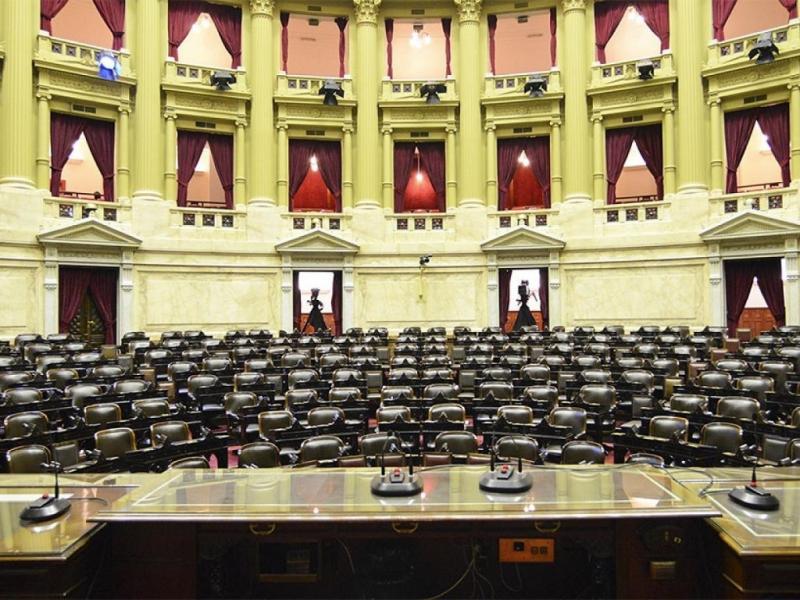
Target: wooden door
757	320
87	324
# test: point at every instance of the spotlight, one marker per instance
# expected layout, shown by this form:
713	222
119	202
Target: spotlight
431	90
222	80
108	66
330	89
536	86
646	69
764	50
424	260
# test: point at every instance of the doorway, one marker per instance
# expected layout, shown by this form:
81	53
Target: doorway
538	302
320	286
754	296
87	307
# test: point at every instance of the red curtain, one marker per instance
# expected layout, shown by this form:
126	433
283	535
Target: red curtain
228	21
524	191
648	140
336	302
403	164
103	287
791	6
296	308
180	18
433	161
64	132
284	41
49	9
720	12
113	15
329	159
538	151
553	38
504	288
492	23
508	151
221	147
446	23
341	23
738	129
618	145
768	272
100	139
607	17
388	25
300	153
774	122
72	286
656	16
190	147
738	281
544	296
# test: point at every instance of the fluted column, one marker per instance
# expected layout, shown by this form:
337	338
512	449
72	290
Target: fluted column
717	151
240	158
794	128
368	179
599	155
123	154
491	165
17	119
347	167
170	156
691	38
283	165
668	137
43	98
388	169
556	178
578	178
149	57
471	182
260	73
452	170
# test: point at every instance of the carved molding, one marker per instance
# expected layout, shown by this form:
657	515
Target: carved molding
628	98
315	112
85	84
522	108
262	7
469	10
215	104
754	74
416	114
367	10
573	5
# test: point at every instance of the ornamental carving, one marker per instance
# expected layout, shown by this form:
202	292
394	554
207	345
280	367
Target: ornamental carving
469	10
367	10
84	84
522	109
419	115
754	74
217	104
628	98
262	7
313	112
574	5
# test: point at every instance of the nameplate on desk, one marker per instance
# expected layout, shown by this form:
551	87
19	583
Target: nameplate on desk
527	550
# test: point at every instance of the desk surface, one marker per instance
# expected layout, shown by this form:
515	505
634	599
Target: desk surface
449	494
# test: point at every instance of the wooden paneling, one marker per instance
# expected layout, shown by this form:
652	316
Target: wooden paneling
756	320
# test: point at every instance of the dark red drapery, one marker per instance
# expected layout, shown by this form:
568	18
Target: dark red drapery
388	25
553	38
72	286
64	132
296	308
656	17
180	18
49	9
228	20
433	161
504	289
538	151
774	123
190	147
336	302
284	41
329	160
103	288
492	23
738	129
607	17
100	139
720	12
618	146
544	296
508	151
221	147
791	6
341	23
739	276
403	164
648	140
770	283
113	15
446	24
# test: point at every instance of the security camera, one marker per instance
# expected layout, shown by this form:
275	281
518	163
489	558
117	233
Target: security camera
424	260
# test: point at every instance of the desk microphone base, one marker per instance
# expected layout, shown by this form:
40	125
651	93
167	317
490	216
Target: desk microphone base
506	481
396	484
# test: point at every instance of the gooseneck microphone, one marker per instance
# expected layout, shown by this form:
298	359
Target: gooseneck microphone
47	507
506	479
396	483
753	497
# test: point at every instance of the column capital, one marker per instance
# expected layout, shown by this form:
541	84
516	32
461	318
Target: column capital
556	122
596	118
469	10
451	129
170	114
241	122
569	5
490	126
348	128
367	10
262	7
282	126
43	94
714	101
387	130
793	85
668	108
124	109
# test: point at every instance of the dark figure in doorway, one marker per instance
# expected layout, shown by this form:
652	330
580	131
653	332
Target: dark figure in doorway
524	316
315	319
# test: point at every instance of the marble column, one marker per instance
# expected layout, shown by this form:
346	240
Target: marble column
123	183
240	165
556	178
452	170
599	155
261	176
491	165
43	98
717	150
668	143
347	167
388	169
171	157
794	128
283	165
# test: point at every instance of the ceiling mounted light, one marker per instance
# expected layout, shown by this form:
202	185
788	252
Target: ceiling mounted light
222	80
431	90
764	50
536	86
330	89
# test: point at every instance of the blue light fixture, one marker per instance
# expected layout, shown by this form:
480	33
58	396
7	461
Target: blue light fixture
108	66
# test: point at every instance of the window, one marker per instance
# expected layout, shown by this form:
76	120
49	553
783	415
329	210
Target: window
419	171
521	42
82	155
523	173
750	16
81	21
315	176
205	187
314	44
636	183
205	170
205	33
631	32
757	148
419	49
758	168
634	164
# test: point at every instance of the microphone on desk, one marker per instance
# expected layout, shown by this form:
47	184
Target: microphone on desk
753	497
47	507
506	480
396	483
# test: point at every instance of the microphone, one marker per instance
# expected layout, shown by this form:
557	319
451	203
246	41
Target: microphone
47	507
753	497
396	484
507	479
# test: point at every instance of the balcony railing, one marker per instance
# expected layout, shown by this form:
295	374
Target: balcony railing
786	37
199	76
78	54
75	208
514	83
407	222
316	220
649	208
529	217
196	217
309	85
628	70
769	196
408	90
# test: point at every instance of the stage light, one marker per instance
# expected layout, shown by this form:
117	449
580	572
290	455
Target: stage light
424	260
222	80
536	86
646	69
764	50
431	90
108	66
330	89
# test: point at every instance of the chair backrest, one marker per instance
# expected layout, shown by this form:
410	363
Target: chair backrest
302	376
130	386
25	423
645	458
535	373
392	392
715	379
28	459
456	442
516	413
639	377
548	393
61	376
447	391
374	444
108	371
569	416
325	415
169	432
596	376
157	354
301	398
217	364
22	395
201	380
669	427
600	394
321	447
389	414
501	390
151	407
630	362
588	361
257	364
333	359
578	452
273	420
259	455
10	378
190	462
497	374
738	407
343	394
402	373
795	420
450	411
294	360
181	367
725	436
100	414
517	446
113	443
236	401
690	403
759	384
346	376
669	366
445	373
247	378
731	364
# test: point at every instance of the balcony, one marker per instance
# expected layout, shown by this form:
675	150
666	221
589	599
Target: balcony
78	57
513	85
407	91
625	72
328	221
198	77
632	210
409	222
76	206
735	50
529	217
308	86
195	217
772	197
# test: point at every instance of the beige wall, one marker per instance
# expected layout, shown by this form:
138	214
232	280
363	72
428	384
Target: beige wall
427	62
314	50
632	40
749	16
79	21
522	47
203	46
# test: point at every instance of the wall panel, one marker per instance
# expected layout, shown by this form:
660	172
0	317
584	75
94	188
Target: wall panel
20	306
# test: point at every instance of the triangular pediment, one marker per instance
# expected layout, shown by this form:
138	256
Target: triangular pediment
749	225
522	239
89	233
317	242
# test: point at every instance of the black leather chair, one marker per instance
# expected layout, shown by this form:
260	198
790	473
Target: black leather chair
79	392
725	436
516	413
259	455
645	458
457	443
516	446
274	420
25	423
100	414
737	407
325	415
130	386
27	459
578	452
190	462
169	432
690	403
151	407
669	427
390	414
324	449
113	443
450	411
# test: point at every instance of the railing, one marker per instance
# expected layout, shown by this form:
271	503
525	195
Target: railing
529	217
200	76
316	220
408	90
650	209
786	37
769	196
634	199
414	221
514	83
76	53
75	208
309	85
757	187
206	217
628	70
